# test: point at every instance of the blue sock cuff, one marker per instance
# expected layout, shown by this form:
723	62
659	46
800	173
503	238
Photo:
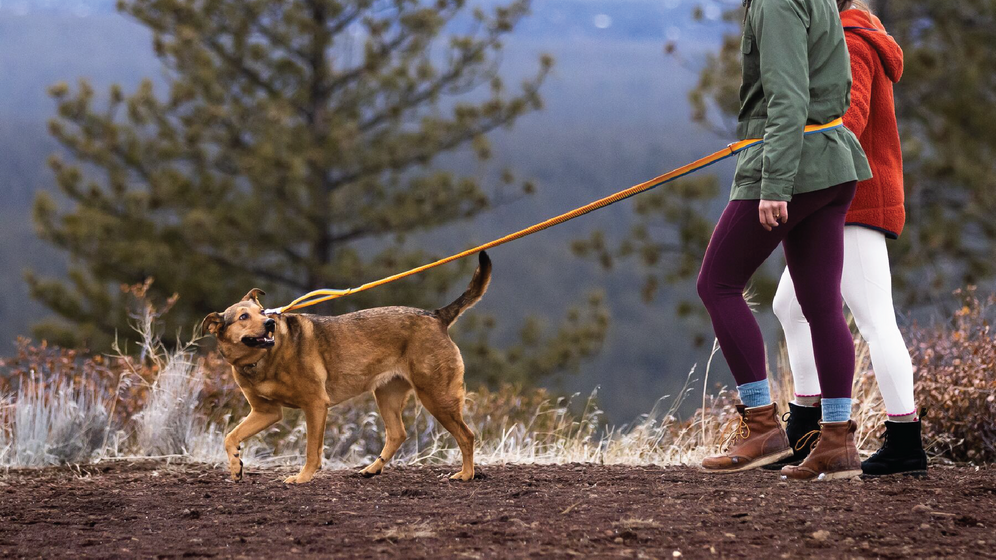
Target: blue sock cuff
836	410
755	393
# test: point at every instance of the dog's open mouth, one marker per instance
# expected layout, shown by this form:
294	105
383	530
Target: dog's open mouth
264	341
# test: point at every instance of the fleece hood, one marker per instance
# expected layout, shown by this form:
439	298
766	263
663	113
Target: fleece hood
870	29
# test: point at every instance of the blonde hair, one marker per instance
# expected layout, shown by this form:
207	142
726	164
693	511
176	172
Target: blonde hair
856	4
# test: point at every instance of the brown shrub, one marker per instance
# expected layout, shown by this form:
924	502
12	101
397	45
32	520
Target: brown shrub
50	366
956	381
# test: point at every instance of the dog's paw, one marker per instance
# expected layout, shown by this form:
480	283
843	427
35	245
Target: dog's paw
369	473
462	476
373	469
234	462
299	478
236	471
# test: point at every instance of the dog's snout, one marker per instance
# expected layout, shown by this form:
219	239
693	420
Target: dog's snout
270	325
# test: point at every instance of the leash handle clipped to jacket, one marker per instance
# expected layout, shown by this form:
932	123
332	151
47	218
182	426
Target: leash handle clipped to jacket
321	296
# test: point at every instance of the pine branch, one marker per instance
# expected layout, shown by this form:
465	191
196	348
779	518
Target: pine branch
434	89
428	152
253	76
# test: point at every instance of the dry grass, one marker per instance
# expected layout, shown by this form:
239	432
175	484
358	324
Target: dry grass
637	523
408	531
54	423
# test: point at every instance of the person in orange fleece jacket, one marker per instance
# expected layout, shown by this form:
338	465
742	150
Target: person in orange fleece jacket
876	213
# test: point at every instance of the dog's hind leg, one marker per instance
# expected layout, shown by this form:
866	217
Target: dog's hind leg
445	403
262	416
391	398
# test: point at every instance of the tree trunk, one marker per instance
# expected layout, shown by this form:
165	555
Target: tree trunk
321	253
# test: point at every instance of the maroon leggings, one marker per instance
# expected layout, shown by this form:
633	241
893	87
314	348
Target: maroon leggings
813	240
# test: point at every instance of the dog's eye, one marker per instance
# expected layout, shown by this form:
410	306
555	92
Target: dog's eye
244	317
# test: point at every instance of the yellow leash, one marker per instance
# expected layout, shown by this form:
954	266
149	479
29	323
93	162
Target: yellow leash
320	296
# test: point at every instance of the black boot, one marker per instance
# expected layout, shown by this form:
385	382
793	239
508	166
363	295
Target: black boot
902	452
802	429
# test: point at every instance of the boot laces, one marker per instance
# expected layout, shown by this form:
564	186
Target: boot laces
813	436
885	445
741	432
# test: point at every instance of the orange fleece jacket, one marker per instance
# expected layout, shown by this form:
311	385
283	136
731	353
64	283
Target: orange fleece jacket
876	64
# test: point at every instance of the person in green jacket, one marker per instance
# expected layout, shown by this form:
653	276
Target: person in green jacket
794	190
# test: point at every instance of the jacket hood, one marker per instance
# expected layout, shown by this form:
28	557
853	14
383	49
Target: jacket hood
872	32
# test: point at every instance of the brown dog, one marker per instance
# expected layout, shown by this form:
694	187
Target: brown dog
313	362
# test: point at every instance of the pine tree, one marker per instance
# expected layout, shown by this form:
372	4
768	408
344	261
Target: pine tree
947	119
292	150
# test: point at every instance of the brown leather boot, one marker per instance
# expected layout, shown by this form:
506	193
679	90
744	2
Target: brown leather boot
759	440
835	455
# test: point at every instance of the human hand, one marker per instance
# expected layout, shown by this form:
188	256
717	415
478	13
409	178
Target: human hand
771	212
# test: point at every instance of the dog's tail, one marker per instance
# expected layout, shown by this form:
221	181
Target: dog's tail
478	285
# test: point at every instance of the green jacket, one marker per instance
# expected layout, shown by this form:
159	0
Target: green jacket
796	71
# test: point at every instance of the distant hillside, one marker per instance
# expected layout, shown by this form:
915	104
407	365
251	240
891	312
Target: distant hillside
616	115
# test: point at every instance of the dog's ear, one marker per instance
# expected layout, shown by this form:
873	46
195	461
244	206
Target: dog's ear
254	295
212	323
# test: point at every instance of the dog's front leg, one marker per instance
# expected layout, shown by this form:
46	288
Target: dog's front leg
314	416
261	416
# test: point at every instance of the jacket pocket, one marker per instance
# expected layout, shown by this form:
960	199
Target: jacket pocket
750	58
746	43
749	164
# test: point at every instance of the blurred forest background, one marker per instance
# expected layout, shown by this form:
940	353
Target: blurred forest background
638	87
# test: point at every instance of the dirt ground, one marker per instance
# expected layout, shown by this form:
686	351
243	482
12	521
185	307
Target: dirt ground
121	509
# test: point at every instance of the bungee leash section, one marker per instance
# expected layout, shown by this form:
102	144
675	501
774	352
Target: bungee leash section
321	296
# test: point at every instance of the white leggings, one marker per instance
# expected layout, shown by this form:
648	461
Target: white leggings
866	286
